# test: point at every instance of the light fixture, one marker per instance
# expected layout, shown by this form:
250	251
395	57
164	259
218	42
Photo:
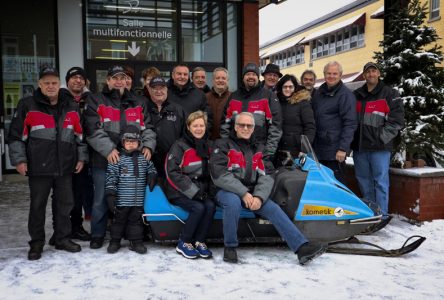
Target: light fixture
128	8
114	50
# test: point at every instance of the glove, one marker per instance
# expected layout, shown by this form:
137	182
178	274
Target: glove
151	181
111	200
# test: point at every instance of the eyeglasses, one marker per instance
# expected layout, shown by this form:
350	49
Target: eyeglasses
243	125
291	87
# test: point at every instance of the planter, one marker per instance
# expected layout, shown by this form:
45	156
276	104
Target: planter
416	193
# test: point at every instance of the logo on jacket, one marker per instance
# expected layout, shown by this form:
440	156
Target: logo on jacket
171	117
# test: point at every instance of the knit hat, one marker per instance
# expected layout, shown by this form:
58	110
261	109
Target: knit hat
250	67
130	132
272	68
48	70
75	71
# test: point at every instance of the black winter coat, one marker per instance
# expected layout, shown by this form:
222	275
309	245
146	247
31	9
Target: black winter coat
297	120
381	117
169	125
107	113
189	98
335	115
49	138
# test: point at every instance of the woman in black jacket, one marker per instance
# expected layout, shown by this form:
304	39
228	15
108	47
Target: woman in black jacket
188	187
297	119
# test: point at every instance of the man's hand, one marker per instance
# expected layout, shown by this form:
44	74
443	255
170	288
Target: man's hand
340	155
146	153
257	203
248	199
113	157
22	168
79	166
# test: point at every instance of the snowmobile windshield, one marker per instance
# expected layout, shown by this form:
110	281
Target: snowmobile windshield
308	149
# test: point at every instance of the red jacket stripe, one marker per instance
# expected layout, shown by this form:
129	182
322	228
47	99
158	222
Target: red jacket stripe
108	113
190	158
236	159
379	107
36	120
260	107
234	107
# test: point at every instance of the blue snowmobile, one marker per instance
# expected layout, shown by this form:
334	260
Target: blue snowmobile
320	206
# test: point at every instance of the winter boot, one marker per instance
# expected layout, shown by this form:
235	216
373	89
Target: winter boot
203	250
187	250
230	255
310	251
137	246
114	246
80	234
96	242
35	252
67	245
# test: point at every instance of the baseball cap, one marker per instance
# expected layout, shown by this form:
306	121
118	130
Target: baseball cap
114	70
370	65
157	81
48	70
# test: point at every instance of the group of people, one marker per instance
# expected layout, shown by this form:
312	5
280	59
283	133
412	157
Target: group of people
203	149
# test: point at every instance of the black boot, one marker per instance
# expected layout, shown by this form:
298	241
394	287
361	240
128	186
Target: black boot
68	245
35	252
310	251
114	246
230	255
80	233
96	242
138	247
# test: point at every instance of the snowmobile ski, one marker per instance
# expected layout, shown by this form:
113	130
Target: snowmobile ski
335	247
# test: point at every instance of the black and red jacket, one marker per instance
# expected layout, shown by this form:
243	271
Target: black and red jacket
49	138
106	114
265	107
380	116
237	166
186	172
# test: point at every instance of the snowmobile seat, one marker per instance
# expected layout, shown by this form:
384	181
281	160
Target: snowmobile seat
288	186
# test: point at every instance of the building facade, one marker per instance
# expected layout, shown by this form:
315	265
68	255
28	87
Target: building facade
349	35
137	33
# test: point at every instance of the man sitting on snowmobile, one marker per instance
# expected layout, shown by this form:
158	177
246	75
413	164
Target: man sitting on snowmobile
237	169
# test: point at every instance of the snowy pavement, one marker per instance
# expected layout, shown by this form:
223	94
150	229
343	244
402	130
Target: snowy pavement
265	272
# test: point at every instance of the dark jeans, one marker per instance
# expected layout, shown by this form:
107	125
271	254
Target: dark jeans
338	169
199	219
83	196
40	187
127	222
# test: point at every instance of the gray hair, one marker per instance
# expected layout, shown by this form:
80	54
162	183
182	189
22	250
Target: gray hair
308	71
333	63
244	113
221	69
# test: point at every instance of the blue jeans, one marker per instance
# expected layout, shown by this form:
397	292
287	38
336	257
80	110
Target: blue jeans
372	173
99	216
232	206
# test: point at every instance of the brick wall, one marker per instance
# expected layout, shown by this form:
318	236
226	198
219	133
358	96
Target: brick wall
417	197
250	40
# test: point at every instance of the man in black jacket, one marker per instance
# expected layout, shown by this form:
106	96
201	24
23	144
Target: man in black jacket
380	113
237	169
45	143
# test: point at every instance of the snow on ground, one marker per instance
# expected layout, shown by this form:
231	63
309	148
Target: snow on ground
265	272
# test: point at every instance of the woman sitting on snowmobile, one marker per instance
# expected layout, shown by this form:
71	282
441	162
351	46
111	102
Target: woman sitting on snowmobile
189	181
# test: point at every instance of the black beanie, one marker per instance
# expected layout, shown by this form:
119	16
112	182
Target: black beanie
250	67
130	132
75	71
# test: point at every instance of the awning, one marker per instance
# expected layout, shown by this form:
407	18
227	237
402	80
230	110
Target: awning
360	19
378	14
279	49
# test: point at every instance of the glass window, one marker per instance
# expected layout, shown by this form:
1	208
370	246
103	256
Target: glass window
339	42
313	50
434	9
25	47
202	31
319	47
325	52
332	44
346	42
232	41
354	37
361	35
135	30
